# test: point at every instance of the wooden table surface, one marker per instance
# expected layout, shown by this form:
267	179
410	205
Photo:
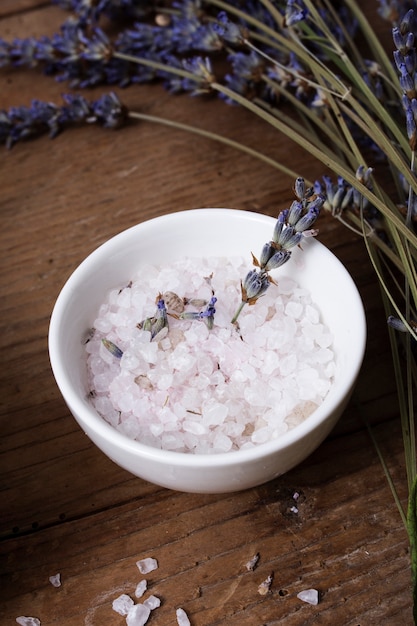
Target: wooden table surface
67	508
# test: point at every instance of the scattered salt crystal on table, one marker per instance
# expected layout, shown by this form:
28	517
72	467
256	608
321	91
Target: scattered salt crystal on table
182	618
141	588
152	602
122	604
252	563
55	580
147	565
28	621
138	615
311	596
265	585
194	389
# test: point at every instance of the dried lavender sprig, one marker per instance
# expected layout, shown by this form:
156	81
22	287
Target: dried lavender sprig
291	227
45	117
405	57
207	314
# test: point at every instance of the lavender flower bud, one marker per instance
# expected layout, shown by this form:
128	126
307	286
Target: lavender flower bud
300	187
293	13
295	212
400	41
410	61
407	82
411	128
400	326
307	221
407	22
109	111
276	260
112	348
364	176
254	286
290	237
227	30
160	321
267	252
279	225
209	312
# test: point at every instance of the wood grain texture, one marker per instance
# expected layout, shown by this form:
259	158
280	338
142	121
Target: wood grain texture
65	507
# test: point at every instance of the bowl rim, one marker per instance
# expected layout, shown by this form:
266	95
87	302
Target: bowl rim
92	422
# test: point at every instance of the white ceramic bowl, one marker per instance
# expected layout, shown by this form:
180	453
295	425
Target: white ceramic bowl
204	232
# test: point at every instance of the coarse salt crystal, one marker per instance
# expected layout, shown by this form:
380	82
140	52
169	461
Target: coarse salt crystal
28	621
122	604
182	618
252	563
147	565
311	596
184	391
138	615
265	585
141	588
152	602
55	580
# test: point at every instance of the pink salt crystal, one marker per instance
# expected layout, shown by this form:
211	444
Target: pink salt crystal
141	588
311	596
55	580
279	336
182	618
147	565
28	621
138	615
152	602
122	604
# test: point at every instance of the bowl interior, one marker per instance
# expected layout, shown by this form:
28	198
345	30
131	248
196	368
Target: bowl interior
202	233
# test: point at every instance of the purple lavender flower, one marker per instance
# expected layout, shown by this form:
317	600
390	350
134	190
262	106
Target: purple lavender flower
108	111
203	72
254	286
405	57
340	196
228	30
156	324
276	259
295	12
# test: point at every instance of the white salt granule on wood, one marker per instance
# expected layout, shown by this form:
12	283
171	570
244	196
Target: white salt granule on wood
252	563
182	618
141	588
265	585
138	615
192	390
147	565
55	580
28	621
122	604
152	602
311	596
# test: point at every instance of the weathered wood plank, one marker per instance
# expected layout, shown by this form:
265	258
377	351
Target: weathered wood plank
68	508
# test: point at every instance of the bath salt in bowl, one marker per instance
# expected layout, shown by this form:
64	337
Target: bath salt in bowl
203	405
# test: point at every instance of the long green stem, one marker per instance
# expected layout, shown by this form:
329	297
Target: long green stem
326	159
236	145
